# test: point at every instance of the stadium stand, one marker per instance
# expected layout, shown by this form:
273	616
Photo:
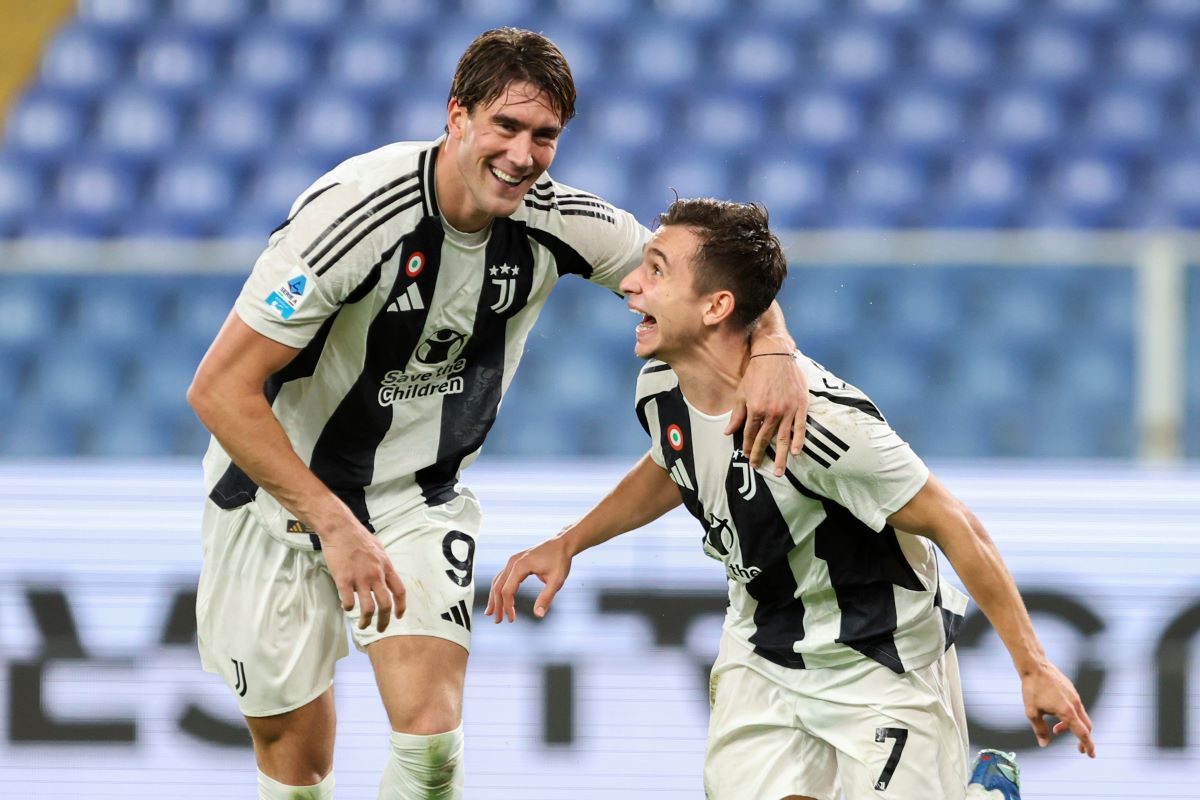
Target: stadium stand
198	119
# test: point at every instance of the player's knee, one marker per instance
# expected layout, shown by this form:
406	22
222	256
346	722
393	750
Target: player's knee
425	767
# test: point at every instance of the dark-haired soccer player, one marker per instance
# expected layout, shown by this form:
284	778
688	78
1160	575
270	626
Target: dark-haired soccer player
358	374
836	662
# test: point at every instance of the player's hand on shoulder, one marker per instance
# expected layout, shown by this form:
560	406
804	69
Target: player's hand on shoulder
1046	691
363	573
771	403
550	561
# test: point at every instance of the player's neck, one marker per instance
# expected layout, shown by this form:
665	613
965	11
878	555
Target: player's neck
454	203
711	371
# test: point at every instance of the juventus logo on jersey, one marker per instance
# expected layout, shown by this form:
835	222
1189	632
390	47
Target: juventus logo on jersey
507	286
822	445
239	673
749	478
409	301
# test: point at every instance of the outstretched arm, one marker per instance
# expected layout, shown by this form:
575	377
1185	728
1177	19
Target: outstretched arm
643	495
938	515
772	400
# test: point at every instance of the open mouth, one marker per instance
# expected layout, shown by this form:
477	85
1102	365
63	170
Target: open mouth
647	324
505	178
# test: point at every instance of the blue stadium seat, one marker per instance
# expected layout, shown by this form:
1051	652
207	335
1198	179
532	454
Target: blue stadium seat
492	13
1175	189
927	305
332	126
856	55
793	187
586	51
985	189
137	126
93	194
725	122
821	304
607	172
1183	14
625	120
176	63
753	56
1155	56
1125	120
954	55
1052	55
891	12
690	171
987	13
21	190
307	17
190	195
194	308
81	63
824	120
273	188
37	430
30	309
921	120
402	16
1022	119
1018	306
883	189
790	15
597	16
113	314
418	116
77	380
233	125
268	61
211	18
658	55
696	16
44	127
369	63
984	372
1087	14
893	373
1087	190
117	18
129	431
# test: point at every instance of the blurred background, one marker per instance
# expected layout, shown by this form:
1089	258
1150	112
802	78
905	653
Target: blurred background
990	208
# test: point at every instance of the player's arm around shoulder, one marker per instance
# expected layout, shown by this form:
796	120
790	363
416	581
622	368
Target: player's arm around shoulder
941	517
642	496
772	399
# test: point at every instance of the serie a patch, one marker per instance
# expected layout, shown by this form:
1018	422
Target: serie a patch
289	296
296	526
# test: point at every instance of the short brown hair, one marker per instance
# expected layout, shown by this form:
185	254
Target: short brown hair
503	55
737	252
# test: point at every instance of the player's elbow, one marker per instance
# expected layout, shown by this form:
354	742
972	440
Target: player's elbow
203	396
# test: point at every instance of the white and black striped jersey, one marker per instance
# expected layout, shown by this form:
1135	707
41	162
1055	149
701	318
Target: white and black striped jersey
817	577
409	331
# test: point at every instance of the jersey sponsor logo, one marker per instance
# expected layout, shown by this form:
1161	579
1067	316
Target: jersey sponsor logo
506	285
288	296
398	386
823	445
719	535
415	264
675	437
749	478
442	345
281	306
409	301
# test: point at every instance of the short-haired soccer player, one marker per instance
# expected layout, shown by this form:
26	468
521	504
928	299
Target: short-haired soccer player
358	374
836	663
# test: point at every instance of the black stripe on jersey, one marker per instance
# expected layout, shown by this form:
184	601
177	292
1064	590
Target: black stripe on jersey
307	200
427	166
563	202
951	621
863	567
579	212
566	259
652	367
344	454
336	225
765	539
673	410
468	415
235	488
861	403
367	221
367	231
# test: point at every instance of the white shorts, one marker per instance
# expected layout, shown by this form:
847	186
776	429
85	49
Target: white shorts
776	732
269	620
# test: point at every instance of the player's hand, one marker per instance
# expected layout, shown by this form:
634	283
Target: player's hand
362	570
771	403
550	561
1048	691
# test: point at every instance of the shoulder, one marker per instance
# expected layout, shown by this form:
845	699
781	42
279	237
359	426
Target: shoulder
655	377
582	220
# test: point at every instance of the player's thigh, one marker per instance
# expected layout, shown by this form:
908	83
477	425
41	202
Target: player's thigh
893	733
756	749
420	660
268	616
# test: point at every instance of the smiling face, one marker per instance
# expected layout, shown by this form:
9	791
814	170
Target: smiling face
661	290
497	152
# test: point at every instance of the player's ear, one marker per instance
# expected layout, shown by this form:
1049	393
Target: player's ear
456	118
720	307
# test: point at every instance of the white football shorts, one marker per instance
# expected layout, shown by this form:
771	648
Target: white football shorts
861	729
269	620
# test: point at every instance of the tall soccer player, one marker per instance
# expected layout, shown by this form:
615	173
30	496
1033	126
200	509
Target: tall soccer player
836	664
358	374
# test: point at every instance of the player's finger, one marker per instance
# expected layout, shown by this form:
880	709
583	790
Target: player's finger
383	602
736	417
542	604
783	441
1040	729
799	423
366	609
346	593
508	592
396	587
762	439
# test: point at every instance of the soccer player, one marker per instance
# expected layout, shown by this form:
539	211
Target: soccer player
836	661
359	372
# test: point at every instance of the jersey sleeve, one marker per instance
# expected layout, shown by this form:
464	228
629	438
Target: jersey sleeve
654	379
621	253
608	240
853	457
303	275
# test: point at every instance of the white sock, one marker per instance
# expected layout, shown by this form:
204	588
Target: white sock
271	789
424	767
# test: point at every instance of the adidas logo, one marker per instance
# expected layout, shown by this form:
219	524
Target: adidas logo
409	301
821	445
680	476
459	615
